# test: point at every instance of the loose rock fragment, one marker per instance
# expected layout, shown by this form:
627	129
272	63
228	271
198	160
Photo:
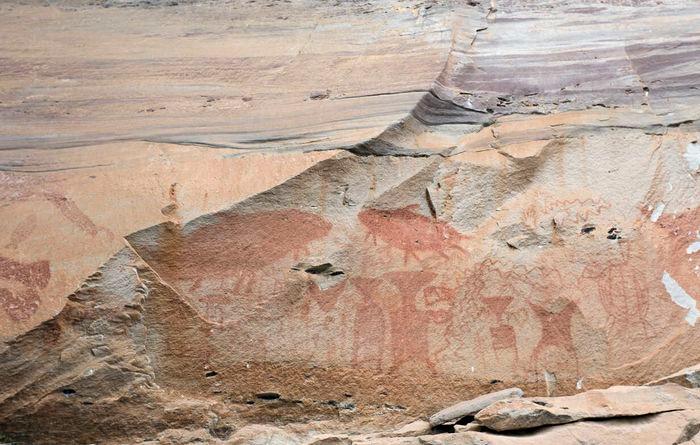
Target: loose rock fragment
676	427
471	407
330	439
618	401
688	377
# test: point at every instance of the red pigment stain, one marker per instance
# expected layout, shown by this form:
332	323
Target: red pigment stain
409	326
72	212
624	293
439	303
556	330
677	232
17	188
578	210
439	300
19	286
254	240
496	289
369	331
22	232
410	232
237	245
390	327
503	338
502	335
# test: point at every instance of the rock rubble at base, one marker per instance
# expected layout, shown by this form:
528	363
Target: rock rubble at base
471	407
665	414
617	401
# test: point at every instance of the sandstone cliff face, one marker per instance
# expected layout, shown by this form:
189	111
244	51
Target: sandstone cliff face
360	210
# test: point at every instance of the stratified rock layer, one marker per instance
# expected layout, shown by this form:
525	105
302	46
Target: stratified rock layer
449	200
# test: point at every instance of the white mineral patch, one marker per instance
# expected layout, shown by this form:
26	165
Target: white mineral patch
550	380
694	247
656	214
681	298
692	155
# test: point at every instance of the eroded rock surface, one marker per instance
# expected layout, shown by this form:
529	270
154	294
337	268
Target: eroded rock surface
355	213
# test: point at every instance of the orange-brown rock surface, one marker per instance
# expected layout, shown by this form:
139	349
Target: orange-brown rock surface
340	218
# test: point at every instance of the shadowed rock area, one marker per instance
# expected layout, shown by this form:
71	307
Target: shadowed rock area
377	222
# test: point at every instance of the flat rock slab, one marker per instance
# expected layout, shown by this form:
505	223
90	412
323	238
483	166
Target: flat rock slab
473	406
330	439
675	427
617	401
